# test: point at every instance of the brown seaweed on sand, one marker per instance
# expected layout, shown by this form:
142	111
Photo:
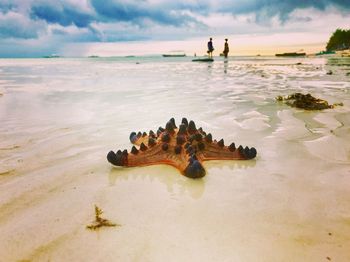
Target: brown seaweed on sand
307	102
99	221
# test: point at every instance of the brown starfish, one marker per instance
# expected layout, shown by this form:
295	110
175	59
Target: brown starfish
185	148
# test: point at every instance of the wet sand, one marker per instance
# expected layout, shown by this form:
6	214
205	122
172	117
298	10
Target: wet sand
60	118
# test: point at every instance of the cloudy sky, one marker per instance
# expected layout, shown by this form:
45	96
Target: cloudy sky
123	27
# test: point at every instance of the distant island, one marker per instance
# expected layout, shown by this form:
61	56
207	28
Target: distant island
340	40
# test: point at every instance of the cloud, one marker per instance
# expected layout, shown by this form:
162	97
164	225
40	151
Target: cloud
72	34
190	15
15	25
60	13
70	21
264	10
5	6
139	11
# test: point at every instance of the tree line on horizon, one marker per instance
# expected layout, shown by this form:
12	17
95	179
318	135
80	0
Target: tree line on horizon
340	40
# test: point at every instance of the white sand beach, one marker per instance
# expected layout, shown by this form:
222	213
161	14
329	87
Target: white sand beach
60	117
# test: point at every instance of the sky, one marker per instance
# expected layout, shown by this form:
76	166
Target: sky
34	28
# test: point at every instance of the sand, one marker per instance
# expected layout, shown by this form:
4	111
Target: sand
291	203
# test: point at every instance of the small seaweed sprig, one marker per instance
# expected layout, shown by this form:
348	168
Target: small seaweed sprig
99	221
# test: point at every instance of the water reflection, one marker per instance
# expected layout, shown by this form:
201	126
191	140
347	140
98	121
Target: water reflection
225	66
169	177
338	61
230	164
166	175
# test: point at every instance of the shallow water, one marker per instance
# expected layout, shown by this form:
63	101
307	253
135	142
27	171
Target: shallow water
59	118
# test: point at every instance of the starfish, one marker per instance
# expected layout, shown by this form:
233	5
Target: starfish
184	147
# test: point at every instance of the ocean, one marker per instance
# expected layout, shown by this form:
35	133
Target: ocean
60	117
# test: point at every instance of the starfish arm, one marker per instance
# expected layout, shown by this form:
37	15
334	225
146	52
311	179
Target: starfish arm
155	155
217	151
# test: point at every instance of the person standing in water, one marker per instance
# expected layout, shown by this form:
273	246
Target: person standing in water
210	48
226	49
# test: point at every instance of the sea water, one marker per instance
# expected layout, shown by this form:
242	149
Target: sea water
60	117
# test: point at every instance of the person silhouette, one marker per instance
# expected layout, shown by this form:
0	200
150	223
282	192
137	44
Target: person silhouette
210	48
226	48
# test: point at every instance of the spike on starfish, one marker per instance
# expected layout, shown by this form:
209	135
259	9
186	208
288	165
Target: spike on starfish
184	147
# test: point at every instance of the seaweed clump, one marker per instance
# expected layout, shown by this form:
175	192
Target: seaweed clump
99	221
307	102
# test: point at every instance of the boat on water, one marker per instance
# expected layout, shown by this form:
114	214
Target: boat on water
51	56
341	53
174	55
325	53
205	59
291	54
